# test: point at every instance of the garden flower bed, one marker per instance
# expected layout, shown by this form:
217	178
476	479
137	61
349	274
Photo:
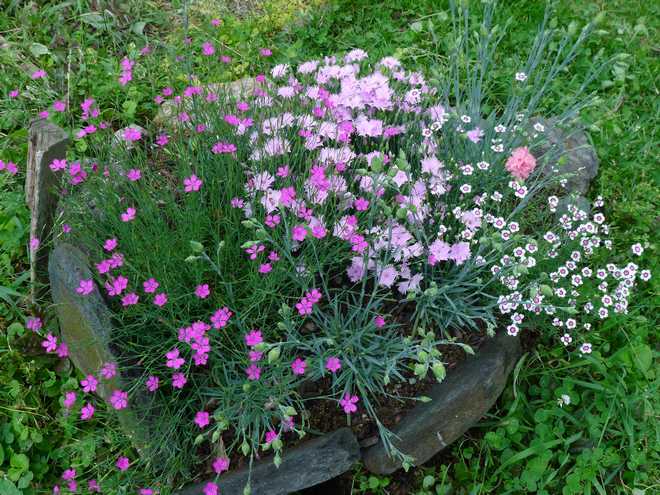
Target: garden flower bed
325	236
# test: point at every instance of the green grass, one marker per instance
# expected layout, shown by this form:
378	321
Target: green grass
604	441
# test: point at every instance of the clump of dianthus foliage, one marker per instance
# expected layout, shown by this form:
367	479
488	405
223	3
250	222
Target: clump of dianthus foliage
334	222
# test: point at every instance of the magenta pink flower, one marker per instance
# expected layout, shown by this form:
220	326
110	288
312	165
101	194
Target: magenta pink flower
307	302
179	380
298	366
10	167
115	286
253	372
220	465
122	463
152	383
211	489
150	285
298	233
110	244
89	383
222	147
265	268
265	52
146	491
202	419
34	244
38	74
333	364
57	165
119	399
348	403
104	266
215	22
59	106
221	317
160	299
273	256
173	359
521	163
109	370
130	299
69	474
162	140
253	338
132	134
134	174
270	436
319	231
50	343
192	183
208	49
361	204
128	215
202	291
34	324
69	399
87	412
379	321
93	486
62	350
272	221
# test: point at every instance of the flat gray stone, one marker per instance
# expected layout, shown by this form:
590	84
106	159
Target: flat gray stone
86	327
47	142
168	111
457	404
309	464
571	153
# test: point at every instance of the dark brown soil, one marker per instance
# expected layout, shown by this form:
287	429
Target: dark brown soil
326	416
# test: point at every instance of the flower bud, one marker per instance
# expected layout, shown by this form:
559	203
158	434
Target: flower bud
196	247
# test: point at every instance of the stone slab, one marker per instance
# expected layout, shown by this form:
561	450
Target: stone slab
308	464
457	404
47	142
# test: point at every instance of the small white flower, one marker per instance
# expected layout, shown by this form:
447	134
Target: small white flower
521	76
564	400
